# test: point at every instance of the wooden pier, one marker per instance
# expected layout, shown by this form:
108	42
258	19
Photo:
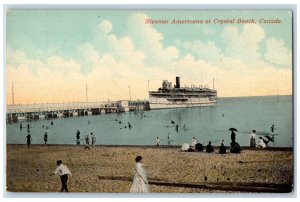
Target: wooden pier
20	112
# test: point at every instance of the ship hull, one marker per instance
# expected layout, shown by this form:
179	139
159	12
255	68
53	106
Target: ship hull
165	104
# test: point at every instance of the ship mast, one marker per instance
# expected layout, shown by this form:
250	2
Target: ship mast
86	93
13	94
213	83
129	93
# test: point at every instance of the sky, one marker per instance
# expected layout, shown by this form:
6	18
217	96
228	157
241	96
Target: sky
51	55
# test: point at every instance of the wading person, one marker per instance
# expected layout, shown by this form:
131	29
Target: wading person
78	137
28	138
45	138
140	182
63	171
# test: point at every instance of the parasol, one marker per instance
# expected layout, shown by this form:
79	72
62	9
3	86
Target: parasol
232	129
185	147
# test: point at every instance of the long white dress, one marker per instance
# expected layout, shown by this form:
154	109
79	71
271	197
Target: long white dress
140	182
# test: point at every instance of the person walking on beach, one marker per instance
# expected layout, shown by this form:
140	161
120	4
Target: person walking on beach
28	137
87	142
157	141
45	138
93	140
64	172
140	181
252	139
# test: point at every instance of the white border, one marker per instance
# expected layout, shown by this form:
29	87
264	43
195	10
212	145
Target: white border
159	4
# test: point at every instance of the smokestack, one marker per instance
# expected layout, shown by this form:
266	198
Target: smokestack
177	82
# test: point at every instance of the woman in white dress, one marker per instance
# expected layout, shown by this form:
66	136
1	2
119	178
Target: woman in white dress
140	182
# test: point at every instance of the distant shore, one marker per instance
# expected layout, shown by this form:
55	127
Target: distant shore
109	169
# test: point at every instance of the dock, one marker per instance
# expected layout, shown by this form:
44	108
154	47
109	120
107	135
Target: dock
19	112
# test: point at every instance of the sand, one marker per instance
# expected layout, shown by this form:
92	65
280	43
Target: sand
109	169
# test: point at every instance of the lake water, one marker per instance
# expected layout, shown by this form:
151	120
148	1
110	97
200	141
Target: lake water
205	123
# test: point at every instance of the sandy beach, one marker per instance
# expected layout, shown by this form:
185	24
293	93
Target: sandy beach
109	169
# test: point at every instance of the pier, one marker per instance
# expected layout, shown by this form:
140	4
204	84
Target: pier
18	112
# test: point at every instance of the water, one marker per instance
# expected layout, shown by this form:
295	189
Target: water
206	124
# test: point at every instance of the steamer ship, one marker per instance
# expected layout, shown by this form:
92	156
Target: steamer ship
181	97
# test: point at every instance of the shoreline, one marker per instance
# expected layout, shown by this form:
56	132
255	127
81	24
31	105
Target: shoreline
109	169
154	146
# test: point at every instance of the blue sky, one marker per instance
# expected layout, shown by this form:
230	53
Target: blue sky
55	45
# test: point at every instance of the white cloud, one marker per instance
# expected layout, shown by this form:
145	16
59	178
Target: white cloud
105	26
277	53
149	40
206	51
243	44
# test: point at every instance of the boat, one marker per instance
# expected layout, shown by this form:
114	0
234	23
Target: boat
181	97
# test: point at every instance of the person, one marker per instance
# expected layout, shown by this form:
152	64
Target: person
64	172
261	143
169	139
157	141
222	149
46	138
233	136
129	125
140	181
87	142
272	128
78	137
194	142
93	140
28	126
252	139
28	137
176	128
210	148
199	147
235	148
21	126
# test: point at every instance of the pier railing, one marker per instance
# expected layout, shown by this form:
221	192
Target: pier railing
42	107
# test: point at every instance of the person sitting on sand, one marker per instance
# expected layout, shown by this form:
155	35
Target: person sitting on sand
261	143
140	181
210	148
235	148
199	147
222	149
63	171
194	142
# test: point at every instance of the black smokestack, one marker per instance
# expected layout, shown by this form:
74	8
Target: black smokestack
177	82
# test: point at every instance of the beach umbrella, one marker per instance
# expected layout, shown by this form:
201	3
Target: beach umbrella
185	147
232	129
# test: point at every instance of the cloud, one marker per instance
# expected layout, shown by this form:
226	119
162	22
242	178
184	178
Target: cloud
149	40
206	51
105	27
277	53
244	44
